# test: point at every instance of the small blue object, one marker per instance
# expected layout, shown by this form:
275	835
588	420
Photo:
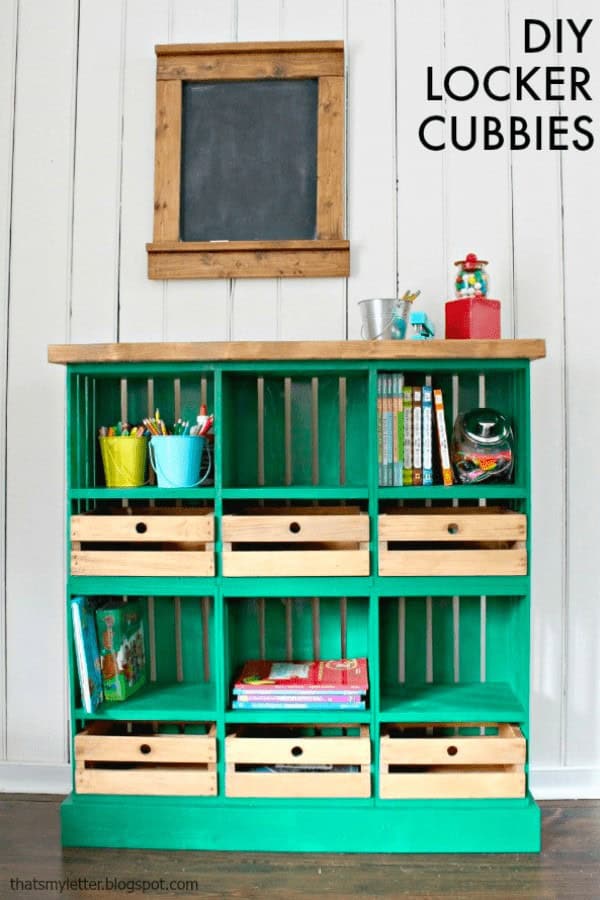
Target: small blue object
422	325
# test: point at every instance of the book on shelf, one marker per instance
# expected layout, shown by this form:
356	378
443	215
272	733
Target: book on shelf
427	442
324	684
442	438
337	696
417	470
398	426
87	653
308	703
407	465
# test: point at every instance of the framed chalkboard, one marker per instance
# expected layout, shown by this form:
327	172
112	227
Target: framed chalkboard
249	174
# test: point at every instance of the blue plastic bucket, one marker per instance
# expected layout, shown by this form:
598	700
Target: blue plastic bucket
176	459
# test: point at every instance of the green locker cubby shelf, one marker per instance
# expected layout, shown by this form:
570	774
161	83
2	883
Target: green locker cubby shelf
296	428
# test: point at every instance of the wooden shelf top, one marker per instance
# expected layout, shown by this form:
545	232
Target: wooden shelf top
257	351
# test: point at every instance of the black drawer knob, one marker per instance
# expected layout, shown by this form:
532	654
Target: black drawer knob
452	528
141	528
295	527
297	751
452	750
145	749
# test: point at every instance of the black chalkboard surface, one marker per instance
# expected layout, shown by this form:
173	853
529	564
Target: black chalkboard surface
249	160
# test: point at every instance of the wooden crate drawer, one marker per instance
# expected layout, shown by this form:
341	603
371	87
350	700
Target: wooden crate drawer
277	762
439	764
296	543
165	542
109	761
452	541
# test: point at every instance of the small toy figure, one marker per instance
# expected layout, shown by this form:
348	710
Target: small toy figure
472	278
422	325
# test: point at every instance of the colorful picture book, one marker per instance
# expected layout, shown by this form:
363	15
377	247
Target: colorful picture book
122	648
87	654
325	684
412	439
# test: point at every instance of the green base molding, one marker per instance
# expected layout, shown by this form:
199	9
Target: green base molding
312	826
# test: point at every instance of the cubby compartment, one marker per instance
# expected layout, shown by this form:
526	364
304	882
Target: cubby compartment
319	540
453	659
174	759
452	540
298	761
297	430
179	654
293	628
98	399
466	761
464	385
143	541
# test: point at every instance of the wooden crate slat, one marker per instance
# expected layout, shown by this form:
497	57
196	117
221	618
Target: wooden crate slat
296	528
156	781
425	751
143	563
469	785
142	528
453	525
314	750
298	784
453	562
192	748
295	562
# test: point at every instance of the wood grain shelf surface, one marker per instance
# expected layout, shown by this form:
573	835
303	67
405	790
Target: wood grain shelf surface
257	351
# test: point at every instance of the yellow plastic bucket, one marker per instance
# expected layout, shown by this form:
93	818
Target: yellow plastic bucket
124	460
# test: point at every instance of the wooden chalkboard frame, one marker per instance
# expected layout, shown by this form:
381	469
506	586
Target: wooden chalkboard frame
329	253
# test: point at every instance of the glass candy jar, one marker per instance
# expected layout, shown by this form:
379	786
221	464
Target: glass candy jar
471	278
482	446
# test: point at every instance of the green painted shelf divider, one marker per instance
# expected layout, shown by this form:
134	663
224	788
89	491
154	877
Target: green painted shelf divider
492	612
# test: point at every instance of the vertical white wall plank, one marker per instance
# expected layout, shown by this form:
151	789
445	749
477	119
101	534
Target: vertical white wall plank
198	309
422	255
581	185
8	49
40	282
538	287
255	308
478	186
142	302
371	154
97	190
313	308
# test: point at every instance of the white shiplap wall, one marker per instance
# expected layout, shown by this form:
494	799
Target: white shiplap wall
76	176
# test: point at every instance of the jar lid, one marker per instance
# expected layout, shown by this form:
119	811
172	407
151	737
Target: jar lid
486	426
470	262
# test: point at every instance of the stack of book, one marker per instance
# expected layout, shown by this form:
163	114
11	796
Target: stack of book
326	684
410	420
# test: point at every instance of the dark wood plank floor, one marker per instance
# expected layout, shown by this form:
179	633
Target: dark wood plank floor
568	867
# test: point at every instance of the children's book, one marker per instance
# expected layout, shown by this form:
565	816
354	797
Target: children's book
427	435
121	637
407	413
417	472
440	420
346	697
259	676
398	427
270	703
87	654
